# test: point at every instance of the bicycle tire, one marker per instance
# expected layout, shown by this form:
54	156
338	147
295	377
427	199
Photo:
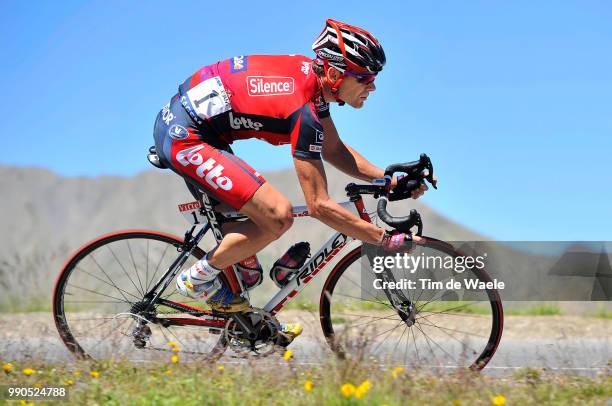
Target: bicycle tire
84	286
335	323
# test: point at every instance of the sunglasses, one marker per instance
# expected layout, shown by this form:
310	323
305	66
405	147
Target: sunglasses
363	78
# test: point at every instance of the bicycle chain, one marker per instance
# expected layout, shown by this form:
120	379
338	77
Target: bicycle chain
224	332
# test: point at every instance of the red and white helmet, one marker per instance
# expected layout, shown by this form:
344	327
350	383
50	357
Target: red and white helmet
347	47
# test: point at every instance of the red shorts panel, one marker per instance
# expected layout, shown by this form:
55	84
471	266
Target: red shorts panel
220	174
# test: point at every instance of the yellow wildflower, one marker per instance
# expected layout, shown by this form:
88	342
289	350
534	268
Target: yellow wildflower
168	372
288	355
397	372
69	382
308	386
174	359
359	393
8	368
498	400
172	343
176	349
221	368
362	389
348	389
76	373
38	385
456	402
28	371
94	374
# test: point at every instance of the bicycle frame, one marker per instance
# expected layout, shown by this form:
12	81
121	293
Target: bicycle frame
337	244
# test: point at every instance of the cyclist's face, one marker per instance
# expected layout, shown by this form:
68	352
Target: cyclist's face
355	93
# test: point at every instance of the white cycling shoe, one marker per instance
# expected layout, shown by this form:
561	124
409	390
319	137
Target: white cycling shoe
214	293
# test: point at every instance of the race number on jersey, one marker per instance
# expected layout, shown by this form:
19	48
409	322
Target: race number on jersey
209	98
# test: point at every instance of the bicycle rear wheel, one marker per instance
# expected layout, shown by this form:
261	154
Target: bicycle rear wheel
447	333
98	302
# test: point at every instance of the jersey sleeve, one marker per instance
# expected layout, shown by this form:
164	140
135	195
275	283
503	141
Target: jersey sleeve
306	133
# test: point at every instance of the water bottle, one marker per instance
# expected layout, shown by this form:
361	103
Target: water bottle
286	267
250	271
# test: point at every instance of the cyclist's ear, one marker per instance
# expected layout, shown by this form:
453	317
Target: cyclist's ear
333	73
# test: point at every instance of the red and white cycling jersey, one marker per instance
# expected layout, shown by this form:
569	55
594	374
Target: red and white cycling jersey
275	98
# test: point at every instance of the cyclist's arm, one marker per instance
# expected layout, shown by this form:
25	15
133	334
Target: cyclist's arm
344	157
314	184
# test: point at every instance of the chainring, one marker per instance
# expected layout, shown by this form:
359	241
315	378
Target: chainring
267	327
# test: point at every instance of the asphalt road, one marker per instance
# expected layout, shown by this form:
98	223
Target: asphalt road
558	343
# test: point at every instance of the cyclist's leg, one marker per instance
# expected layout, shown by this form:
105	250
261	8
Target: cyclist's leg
242	188
270	214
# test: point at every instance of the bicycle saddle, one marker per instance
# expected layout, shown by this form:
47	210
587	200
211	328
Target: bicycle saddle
154	158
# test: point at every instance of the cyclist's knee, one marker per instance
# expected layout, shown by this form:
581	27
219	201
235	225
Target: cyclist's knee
276	220
283	218
270	210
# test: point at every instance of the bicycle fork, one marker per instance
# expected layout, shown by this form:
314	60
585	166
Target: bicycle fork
405	308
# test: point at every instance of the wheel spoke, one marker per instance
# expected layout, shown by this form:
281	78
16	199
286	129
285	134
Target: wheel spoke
147	267
103	281
123	268
95	301
448	311
135	268
429	339
444	329
387	333
366	300
157	267
99	294
93	258
416	350
372	321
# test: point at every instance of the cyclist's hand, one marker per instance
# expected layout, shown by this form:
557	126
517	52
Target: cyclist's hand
406	187
394	241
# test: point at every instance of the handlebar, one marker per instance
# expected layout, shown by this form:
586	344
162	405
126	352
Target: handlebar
381	188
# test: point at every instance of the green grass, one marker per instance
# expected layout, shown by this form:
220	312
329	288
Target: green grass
603	314
13	304
303	304
312	306
537	310
281	383
455	307
359	305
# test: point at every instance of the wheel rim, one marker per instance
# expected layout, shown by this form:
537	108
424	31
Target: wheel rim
446	334
104	282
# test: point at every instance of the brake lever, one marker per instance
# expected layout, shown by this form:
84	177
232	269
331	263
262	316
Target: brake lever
426	162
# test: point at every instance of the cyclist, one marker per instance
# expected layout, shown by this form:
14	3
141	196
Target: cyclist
281	99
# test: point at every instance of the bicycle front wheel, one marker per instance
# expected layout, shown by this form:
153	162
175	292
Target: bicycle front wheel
445	333
98	302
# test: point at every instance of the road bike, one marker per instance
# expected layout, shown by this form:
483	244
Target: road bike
116	297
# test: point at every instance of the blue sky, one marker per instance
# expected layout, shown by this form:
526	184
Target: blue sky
512	100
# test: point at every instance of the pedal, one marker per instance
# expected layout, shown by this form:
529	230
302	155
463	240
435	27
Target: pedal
288	333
